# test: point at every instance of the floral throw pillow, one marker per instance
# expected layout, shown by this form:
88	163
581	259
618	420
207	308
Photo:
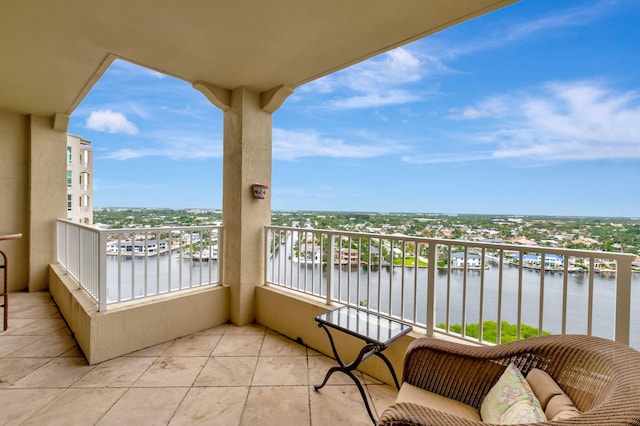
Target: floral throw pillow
511	400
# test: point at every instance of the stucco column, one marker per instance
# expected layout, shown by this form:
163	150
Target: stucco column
47	197
246	160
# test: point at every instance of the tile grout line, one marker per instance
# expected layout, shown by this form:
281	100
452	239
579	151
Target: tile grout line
246	399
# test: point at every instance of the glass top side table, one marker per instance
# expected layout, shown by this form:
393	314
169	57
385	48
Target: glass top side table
376	331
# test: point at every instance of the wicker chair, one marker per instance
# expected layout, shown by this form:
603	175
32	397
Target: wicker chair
601	377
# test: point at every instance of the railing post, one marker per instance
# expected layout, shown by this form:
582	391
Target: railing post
267	250
330	265
431	288
102	271
623	300
66	248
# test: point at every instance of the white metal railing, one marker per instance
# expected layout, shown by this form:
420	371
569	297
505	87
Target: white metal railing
539	289
117	265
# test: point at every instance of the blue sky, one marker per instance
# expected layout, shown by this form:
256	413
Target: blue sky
532	109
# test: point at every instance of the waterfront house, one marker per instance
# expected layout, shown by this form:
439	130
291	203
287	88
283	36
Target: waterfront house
347	256
551	261
472	260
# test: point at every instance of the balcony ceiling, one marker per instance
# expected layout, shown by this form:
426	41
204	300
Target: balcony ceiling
54	51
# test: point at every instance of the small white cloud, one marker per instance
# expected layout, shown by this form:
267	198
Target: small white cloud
370	100
491	108
174	145
110	121
125	154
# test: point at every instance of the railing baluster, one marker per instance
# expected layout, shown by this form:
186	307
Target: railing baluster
481	301
431	288
623	300
330	265
499	306
592	262
102	272
464	291
519	303
541	296
565	298
448	306
402	276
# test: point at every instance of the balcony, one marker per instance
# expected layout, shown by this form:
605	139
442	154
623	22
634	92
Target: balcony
122	271
36	102
221	375
254	369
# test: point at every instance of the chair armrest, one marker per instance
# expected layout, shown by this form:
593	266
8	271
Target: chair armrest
409	414
462	372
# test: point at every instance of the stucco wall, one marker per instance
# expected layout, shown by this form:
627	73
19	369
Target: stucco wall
14	194
136	325
32	195
47	196
293	316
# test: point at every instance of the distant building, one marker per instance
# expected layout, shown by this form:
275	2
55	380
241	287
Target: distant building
550	260
79	180
473	260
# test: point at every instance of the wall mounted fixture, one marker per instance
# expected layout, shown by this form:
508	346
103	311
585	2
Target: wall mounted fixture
259	190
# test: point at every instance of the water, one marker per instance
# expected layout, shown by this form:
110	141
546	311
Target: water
156	274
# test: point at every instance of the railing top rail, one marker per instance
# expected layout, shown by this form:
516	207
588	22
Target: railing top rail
130	230
162	229
468	243
79	225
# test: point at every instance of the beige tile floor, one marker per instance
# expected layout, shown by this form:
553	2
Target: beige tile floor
226	375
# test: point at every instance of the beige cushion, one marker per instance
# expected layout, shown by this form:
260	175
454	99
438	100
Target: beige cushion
560	407
543	386
556	404
416	395
511	388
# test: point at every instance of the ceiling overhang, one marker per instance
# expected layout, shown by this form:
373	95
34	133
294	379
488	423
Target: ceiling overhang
54	51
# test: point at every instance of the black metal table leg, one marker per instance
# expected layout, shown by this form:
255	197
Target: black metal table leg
375	330
347	369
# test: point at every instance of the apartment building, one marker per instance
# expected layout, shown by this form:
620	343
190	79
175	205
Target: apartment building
79	180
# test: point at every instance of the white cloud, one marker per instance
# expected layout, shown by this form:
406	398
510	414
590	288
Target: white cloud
577	121
384	80
171	145
493	107
110	121
370	100
381	81
293	144
544	26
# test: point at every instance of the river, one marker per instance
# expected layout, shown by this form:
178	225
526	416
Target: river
158	272
351	284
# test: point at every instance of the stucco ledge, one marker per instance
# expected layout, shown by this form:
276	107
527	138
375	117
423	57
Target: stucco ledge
136	325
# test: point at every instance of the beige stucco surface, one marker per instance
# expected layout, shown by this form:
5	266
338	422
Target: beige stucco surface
136	325
32	197
47	197
293	316
247	160
14	198
53	51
